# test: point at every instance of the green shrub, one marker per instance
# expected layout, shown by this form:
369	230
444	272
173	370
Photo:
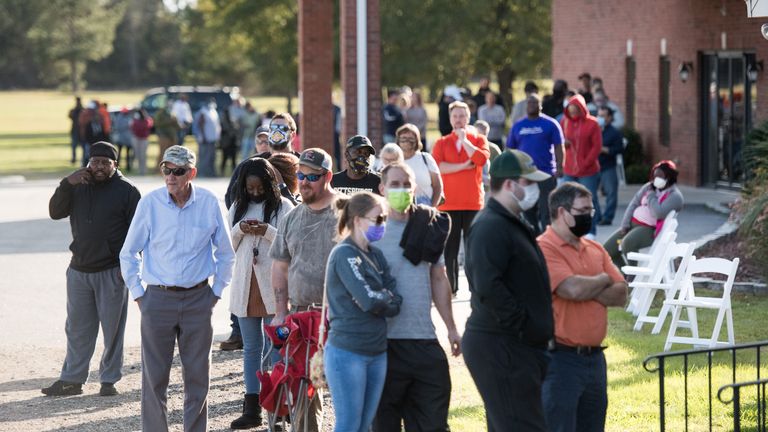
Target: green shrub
636	168
753	207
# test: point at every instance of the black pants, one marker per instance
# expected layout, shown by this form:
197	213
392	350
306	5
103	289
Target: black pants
460	222
417	390
509	377
538	216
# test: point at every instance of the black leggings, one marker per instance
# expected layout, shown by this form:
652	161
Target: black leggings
460	222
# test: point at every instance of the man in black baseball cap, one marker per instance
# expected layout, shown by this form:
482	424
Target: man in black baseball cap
100	204
358	176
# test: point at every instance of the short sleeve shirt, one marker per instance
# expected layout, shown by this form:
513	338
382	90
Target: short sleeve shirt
537	138
423	165
305	238
577	322
342	183
414	284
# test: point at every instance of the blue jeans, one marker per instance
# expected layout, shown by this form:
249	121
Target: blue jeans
610	181
255	346
575	393
355	381
590	183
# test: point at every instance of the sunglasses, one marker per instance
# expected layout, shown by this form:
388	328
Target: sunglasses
310	177
282	128
177	172
378	220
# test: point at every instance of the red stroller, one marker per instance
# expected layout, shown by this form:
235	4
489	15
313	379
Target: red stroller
287	390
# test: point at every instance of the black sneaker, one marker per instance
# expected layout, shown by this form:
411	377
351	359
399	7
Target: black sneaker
108	389
63	388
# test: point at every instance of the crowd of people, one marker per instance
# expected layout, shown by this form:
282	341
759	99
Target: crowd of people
378	242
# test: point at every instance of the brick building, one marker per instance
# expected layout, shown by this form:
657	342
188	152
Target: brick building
638	48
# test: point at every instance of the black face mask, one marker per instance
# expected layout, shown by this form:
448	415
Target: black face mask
583	224
257	199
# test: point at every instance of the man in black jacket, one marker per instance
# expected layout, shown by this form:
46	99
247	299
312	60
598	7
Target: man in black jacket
511	324
100	203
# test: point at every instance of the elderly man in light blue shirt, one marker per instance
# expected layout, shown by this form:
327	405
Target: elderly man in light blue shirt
178	239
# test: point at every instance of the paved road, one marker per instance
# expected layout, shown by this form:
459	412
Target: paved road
34	257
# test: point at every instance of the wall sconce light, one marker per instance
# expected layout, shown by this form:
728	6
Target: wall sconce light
685	70
754	70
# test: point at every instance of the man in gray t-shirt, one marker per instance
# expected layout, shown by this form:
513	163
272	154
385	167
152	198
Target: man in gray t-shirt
417	389
300	250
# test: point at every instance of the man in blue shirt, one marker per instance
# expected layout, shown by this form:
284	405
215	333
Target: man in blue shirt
177	240
541	137
613	145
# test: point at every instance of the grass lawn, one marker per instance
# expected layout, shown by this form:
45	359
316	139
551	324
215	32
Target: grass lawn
633	393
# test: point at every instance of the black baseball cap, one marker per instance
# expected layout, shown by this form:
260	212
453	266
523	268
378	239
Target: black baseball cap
262	130
316	158
514	164
360	141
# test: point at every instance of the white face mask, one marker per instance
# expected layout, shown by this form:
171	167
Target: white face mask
530	198
659	183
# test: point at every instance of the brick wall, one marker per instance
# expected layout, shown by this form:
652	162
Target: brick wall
348	44
591	35
316	73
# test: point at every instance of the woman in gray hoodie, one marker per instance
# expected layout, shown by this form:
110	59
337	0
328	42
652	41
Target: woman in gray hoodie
360	294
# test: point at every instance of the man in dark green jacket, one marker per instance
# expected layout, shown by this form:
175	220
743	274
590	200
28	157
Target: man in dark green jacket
511	324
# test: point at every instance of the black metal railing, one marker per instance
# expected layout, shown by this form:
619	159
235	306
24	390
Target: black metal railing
736	392
661	360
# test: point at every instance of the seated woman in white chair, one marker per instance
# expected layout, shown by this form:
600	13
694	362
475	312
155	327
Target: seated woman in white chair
645	214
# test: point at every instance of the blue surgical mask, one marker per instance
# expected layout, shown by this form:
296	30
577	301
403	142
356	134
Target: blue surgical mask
374	233
601	121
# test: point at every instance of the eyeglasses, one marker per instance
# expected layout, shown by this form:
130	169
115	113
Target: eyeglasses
177	172
406	140
585	210
378	220
310	177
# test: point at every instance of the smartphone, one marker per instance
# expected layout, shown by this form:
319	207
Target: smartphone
252	221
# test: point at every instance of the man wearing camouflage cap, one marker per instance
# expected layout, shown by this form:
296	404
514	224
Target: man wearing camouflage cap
178	239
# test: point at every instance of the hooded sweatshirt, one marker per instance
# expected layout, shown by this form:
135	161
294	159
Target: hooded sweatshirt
581	156
99	214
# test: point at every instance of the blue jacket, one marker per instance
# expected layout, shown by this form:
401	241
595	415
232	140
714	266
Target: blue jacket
612	139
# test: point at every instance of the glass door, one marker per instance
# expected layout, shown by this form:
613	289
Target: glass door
726	116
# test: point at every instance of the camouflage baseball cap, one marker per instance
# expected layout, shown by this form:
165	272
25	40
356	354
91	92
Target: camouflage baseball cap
179	155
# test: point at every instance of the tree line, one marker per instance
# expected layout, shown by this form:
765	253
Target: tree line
105	44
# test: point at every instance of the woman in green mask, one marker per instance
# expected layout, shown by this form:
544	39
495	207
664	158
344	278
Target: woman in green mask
429	184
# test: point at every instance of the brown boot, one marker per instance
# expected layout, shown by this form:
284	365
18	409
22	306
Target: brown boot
231	344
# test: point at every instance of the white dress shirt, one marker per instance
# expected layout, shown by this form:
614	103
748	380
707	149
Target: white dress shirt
168	245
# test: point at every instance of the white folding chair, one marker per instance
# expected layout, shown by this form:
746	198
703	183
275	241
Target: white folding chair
691	302
648	290
670	224
655	265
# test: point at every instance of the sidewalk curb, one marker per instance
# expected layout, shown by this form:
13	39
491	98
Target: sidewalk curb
12	179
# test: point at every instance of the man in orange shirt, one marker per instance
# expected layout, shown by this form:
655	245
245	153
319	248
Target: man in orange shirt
460	156
584	283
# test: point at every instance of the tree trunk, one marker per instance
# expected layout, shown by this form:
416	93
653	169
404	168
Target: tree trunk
73	76
289	104
506	77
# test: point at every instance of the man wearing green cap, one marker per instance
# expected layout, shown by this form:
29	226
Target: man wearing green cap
511	324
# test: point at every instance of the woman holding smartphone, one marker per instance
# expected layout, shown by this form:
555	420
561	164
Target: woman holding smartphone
361	295
256	209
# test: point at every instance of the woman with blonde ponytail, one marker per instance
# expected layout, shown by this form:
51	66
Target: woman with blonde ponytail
360	295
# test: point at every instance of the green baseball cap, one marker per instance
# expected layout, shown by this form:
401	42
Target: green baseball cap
513	164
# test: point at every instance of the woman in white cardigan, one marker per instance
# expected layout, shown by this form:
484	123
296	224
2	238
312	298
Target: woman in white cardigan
256	209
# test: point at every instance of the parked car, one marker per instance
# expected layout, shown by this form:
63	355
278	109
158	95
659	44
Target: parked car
198	95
